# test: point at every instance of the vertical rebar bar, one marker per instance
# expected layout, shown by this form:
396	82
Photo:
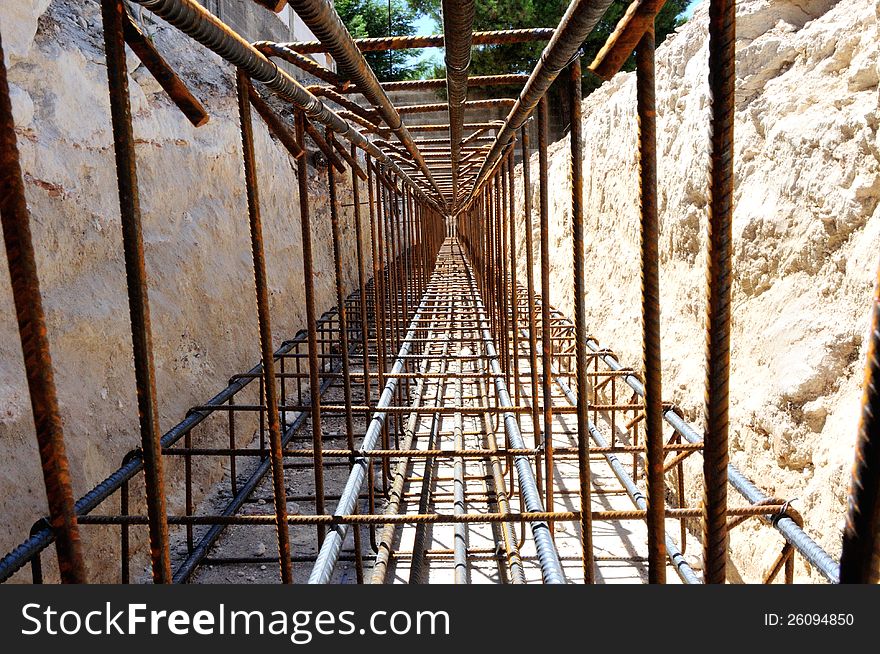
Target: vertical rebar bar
722	42
341	311
362	287
497	268
650	265
502	260
113	15
342	314
860	558
580	318
302	174
28	301
530	293
546	332
382	324
266	351
514	287
393	268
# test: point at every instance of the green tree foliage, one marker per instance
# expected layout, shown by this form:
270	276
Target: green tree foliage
518	14
369	18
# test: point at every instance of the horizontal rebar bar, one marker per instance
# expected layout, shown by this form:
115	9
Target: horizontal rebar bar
374	44
332	545
340	520
792	532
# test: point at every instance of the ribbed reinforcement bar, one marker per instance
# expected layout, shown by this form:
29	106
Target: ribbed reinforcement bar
806	546
577	23
551	566
330	549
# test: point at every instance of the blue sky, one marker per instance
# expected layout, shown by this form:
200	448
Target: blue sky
687	13
425	25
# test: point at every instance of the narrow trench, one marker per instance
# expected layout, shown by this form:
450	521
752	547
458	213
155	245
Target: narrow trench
443	423
453	421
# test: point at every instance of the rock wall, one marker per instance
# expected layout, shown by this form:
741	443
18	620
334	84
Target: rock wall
197	247
806	242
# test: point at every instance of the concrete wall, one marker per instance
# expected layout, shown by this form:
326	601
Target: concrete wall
197	253
256	23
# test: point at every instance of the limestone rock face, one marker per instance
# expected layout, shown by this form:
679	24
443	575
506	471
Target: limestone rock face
19	22
806	241
197	248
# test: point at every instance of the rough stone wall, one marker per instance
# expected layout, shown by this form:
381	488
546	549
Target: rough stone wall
197	248
806	242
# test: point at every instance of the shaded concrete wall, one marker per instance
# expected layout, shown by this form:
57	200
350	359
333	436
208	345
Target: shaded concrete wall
256	23
197	253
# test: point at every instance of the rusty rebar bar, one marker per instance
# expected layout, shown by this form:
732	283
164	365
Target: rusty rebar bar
722	77
860	558
514	284
375	44
546	336
458	25
530	292
324	146
506	79
369	115
163	73
636	22
276	125
113	15
580	317
579	20
362	279
442	127
650	266
302	176
306	64
25	282
276	458
432	107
